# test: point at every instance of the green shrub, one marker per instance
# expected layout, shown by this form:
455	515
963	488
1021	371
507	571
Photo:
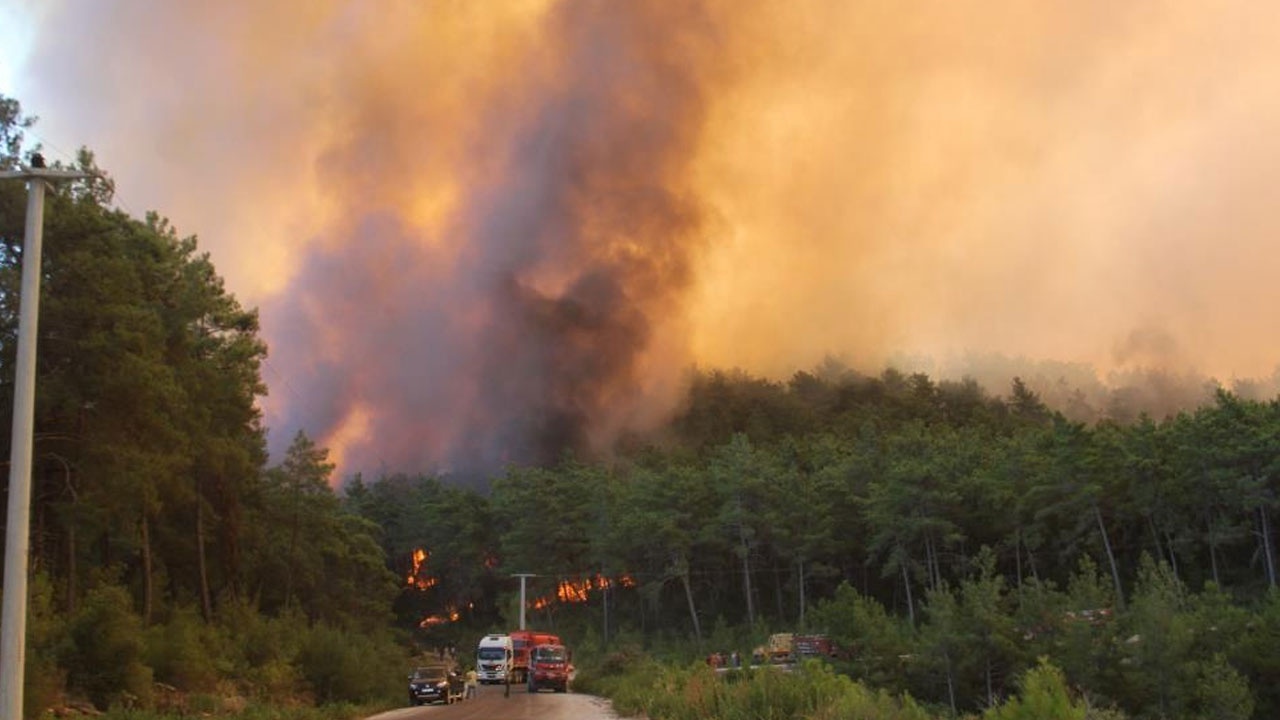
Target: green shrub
1044	696
105	659
341	666
812	691
46	638
183	652
1219	692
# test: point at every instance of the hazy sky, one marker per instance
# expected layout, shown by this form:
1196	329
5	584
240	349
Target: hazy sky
480	230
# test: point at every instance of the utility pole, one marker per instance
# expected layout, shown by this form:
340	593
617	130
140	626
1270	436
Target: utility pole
13	621
523	578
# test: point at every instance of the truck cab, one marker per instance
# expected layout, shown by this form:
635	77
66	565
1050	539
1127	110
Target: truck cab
550	667
494	657
522	644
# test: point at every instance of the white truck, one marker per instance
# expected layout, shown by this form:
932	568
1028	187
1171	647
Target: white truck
493	658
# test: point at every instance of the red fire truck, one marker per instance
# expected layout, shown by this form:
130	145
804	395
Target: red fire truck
522	641
550	666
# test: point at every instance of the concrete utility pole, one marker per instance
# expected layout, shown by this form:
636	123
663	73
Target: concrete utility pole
523	578
13	622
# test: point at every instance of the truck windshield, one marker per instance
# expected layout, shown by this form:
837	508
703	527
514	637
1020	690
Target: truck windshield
491	653
547	654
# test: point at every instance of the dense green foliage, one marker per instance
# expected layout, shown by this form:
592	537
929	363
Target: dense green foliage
812	691
974	552
165	553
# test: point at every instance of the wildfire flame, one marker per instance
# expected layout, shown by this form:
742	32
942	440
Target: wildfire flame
451	615
570	591
416	578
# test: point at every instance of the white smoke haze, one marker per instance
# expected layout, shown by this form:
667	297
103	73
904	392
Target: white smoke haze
486	232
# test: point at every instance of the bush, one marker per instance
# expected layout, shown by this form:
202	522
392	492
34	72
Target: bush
183	652
344	667
105	660
810	691
1044	696
46	638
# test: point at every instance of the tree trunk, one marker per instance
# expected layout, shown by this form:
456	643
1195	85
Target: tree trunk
1173	556
71	564
206	606
991	696
293	549
928	562
951	684
911	605
229	532
746	576
1111	558
1155	537
71	540
1212	534
801	573
693	611
147	588
1267	554
777	591
1017	555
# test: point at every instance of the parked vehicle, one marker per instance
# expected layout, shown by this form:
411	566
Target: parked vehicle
814	646
783	648
493	658
522	641
435	683
549	667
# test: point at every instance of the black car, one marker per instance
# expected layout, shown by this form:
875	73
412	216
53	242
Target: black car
435	684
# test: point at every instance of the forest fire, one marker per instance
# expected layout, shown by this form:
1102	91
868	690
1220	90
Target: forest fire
596	196
450	615
569	591
416	578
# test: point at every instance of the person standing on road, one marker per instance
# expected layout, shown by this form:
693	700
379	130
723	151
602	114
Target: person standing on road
470	686
507	674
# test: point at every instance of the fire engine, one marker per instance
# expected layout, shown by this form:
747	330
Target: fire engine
522	641
549	667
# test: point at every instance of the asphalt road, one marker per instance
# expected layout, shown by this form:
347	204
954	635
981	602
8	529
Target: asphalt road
489	704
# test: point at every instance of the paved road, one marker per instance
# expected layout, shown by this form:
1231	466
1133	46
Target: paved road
489	704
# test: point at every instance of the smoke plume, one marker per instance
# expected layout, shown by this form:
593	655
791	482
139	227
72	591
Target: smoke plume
489	232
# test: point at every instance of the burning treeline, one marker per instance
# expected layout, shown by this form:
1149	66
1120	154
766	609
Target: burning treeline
567	590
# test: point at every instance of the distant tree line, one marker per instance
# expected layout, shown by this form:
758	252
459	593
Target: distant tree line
945	537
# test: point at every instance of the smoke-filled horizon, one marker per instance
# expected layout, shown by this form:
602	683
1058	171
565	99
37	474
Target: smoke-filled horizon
484	233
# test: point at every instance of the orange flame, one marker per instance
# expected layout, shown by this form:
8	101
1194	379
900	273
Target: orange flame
420	558
569	591
451	615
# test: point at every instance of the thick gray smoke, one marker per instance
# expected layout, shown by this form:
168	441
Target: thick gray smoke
518	331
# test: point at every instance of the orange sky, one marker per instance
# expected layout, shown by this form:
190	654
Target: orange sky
425	197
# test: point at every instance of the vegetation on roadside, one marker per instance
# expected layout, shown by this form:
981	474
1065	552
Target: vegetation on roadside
813	691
